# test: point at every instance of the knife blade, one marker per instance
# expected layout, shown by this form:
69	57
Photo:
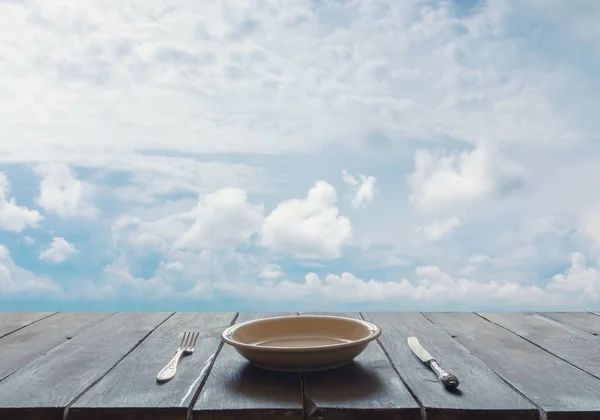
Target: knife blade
447	379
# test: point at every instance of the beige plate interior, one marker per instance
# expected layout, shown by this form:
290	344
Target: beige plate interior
301	343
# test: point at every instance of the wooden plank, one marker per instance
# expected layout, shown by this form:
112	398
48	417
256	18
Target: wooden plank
367	388
481	394
236	389
26	344
45	387
582	320
571	344
130	390
13	321
561	390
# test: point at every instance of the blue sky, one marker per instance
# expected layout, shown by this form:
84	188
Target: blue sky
299	155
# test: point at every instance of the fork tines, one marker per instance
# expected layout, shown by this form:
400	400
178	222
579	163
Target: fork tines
188	341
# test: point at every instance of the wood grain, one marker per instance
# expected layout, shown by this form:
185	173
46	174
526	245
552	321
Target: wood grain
46	386
368	388
13	321
582	320
561	390
571	344
26	344
130	391
235	389
481	394
99	366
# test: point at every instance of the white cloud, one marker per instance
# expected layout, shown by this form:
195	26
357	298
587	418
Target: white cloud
271	272
117	281
156	176
16	280
115	92
309	228
363	189
440	181
432	288
479	259
590	222
578	279
14	218
574	22
222	219
177	274
440	228
29	240
62	193
58	251
189	248
198	97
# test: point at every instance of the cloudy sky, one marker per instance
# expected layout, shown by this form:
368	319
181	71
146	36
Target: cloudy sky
299	155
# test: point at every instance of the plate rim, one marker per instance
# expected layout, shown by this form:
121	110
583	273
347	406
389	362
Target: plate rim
375	333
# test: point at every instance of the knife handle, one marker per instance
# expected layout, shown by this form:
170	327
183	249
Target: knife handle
448	379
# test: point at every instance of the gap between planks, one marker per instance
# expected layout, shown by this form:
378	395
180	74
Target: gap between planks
389	359
71	335
308	406
208	369
305	402
27	325
567	324
66	411
543	414
537	345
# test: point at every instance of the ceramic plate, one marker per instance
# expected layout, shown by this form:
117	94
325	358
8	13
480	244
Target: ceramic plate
301	343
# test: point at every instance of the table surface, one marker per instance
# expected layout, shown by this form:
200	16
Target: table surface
518	365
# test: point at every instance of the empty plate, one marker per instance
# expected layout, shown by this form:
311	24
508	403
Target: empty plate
301	343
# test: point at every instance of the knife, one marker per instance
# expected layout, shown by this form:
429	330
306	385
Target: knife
448	379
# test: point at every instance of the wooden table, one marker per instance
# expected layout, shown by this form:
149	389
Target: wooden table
512	366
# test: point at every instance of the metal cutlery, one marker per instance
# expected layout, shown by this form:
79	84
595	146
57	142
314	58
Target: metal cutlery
447	379
187	345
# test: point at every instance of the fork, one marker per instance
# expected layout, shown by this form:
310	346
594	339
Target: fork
187	345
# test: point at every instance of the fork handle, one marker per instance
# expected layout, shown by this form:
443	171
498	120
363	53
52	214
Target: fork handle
169	371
